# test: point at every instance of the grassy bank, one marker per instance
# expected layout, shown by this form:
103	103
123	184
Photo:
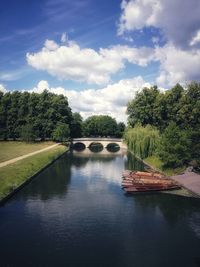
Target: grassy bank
13	175
157	164
13	149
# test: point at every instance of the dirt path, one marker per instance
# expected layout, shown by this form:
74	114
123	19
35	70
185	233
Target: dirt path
189	180
5	163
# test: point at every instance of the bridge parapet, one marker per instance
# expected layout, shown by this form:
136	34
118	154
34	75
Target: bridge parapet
103	141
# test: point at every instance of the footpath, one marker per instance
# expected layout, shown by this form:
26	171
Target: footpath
190	180
5	163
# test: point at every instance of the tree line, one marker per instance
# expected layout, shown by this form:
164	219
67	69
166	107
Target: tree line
174	115
31	116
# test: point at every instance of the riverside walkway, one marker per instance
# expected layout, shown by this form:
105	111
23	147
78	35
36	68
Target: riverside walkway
190	180
5	163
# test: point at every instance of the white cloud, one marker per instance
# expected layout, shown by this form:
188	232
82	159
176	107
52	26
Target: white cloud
111	100
50	46
69	61
179	20
196	39
64	37
177	65
2	88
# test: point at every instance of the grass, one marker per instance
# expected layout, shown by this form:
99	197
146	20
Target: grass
156	163
13	149
13	175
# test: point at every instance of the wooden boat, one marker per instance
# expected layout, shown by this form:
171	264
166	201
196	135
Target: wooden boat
149	181
144	181
134	189
130	174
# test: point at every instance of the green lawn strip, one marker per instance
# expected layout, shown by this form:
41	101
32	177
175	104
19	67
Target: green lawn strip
13	149
13	175
157	164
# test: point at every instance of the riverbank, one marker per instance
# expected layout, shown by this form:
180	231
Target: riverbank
154	163
13	149
189	181
15	175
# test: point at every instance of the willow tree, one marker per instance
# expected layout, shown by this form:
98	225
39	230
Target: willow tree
142	141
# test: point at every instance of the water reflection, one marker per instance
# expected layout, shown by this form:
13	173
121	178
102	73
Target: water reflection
132	163
76	214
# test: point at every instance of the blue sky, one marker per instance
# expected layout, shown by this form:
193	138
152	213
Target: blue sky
98	49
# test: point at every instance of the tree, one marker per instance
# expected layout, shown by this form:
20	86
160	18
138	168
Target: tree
174	148
100	125
120	129
142	108
61	132
76	125
27	133
43	111
142	141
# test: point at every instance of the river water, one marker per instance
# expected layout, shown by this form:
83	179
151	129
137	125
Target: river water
76	214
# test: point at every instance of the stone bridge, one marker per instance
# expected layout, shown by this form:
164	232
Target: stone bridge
103	141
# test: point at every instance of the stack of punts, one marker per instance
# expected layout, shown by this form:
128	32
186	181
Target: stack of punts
146	181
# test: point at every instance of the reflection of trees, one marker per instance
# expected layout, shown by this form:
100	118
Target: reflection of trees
51	182
54	180
173	208
132	163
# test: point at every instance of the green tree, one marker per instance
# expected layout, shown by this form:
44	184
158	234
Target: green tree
43	111
174	148
120	129
142	141
61	132
142	108
76	125
27	133
100	125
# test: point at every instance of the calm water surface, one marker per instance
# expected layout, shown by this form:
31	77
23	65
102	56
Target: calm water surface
76	214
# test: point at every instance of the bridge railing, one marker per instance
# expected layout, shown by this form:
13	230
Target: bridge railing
94	139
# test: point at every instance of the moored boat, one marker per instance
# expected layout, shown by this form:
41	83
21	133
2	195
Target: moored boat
144	188
144	181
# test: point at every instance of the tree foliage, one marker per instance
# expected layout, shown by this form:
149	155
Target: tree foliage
174	146
76	125
61	133
142	141
101	125
27	133
176	114
41	111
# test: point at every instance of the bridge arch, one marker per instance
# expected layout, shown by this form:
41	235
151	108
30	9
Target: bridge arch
79	146
96	146
113	147
104	141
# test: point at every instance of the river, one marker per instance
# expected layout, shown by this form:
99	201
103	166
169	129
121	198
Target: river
76	214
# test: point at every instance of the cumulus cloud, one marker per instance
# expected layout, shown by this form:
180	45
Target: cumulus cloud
111	100
69	61
196	39
178	20
177	65
2	88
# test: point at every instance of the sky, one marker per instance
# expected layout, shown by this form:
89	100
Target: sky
98	53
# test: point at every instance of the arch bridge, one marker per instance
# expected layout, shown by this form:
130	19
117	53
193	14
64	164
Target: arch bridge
103	141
